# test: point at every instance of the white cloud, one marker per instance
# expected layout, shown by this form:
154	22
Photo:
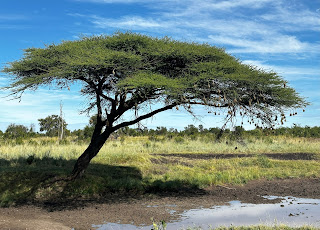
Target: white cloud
291	73
40	104
266	44
134	22
113	1
229	4
267	32
243	36
294	20
221	5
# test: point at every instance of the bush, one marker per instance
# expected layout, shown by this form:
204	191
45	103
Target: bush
178	139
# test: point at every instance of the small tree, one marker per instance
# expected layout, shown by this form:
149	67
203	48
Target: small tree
129	72
16	131
51	125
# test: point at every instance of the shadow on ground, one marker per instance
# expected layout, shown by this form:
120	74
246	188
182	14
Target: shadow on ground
29	181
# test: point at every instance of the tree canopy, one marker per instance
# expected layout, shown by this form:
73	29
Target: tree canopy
129	72
52	125
16	131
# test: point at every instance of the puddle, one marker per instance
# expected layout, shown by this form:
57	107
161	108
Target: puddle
290	211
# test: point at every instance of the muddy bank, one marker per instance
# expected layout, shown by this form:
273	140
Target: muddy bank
139	210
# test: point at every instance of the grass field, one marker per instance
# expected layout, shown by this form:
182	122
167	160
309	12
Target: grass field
134	165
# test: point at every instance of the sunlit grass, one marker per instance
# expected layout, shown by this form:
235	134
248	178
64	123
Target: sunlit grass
138	164
125	150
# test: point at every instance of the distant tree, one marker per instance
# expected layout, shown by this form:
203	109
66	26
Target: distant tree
128	72
191	130
16	131
214	131
51	125
200	128
89	129
161	130
239	131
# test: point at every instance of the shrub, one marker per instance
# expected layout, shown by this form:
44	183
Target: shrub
178	139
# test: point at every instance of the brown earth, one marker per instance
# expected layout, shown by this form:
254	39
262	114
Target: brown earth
139	210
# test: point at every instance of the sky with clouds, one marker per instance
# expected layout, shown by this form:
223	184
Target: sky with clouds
278	35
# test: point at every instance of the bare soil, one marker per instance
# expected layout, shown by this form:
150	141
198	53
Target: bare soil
81	214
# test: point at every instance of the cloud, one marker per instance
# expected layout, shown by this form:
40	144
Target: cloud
114	1
220	5
241	36
266	44
7	20
240	32
40	104
12	17
294	20
288	70
230	4
134	22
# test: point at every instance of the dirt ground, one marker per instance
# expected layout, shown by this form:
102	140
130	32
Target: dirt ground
140	210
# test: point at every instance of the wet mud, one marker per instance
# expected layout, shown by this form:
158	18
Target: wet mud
89	214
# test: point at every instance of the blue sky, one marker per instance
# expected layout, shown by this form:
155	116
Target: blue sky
278	35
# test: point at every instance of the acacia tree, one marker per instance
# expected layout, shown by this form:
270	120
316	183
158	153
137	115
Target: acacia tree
130	72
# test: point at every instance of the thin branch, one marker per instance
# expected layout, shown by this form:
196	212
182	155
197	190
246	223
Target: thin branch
140	118
206	104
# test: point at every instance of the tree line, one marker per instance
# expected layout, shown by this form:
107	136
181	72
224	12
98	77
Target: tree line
51	125
193	131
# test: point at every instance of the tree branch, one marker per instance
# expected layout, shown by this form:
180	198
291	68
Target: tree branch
206	104
144	117
107	98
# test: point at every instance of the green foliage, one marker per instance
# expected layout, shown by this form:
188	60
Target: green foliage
192	132
178	139
155	69
264	162
52	125
18	132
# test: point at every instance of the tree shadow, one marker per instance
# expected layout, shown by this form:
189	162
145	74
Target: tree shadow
32	181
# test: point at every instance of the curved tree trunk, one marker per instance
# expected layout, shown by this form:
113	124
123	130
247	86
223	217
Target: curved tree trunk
83	161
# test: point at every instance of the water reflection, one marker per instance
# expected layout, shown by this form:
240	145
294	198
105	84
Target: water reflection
290	211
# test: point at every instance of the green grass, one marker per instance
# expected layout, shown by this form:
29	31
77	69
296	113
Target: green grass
133	166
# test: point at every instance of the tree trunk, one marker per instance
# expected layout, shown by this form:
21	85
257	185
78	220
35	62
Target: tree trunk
83	161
